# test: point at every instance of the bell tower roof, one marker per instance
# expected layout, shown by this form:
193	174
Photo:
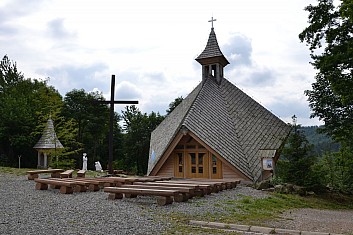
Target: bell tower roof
212	59
212	52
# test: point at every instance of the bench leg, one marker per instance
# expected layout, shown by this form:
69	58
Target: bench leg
164	201
40	186
180	197
109	184
199	193
66	190
215	189
54	186
129	195
32	176
81	175
93	187
80	188
55	175
113	196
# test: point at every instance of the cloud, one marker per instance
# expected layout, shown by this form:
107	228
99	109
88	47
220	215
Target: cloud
285	109
68	77
13	10
127	90
238	51
57	29
261	77
254	76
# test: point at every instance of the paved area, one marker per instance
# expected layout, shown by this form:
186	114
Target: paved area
256	230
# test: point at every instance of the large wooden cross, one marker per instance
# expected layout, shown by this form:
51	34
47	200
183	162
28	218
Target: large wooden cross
111	102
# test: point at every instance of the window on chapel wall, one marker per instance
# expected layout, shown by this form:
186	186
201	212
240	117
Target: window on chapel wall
214	164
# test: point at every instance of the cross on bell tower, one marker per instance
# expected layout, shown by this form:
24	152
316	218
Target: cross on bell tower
212	20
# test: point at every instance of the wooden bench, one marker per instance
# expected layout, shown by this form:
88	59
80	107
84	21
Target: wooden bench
212	187
35	173
230	183
66	186
206	188
164	196
197	190
80	186
66	174
94	185
185	193
81	174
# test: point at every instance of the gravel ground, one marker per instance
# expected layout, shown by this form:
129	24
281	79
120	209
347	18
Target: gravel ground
24	210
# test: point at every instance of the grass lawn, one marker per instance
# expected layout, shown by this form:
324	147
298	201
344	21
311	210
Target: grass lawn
22	171
250	211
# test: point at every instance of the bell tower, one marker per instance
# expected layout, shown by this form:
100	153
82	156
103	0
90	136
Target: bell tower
212	59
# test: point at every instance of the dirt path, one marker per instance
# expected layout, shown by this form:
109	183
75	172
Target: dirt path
314	220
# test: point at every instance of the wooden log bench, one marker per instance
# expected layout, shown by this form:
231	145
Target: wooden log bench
80	186
94	185
35	173
81	174
65	186
164	196
112	181
186	193
66	174
214	187
196	189
230	183
206	188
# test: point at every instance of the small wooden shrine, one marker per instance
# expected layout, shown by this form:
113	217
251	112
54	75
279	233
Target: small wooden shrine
47	145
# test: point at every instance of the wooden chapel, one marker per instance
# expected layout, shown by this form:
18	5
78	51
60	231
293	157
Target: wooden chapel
217	131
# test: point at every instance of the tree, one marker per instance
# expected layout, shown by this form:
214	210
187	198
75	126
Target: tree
22	104
174	104
92	119
330	39
297	160
138	127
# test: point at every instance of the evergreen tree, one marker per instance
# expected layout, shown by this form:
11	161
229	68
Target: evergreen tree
295	165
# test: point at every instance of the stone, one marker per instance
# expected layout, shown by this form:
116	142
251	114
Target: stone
263	185
264	230
281	231
299	190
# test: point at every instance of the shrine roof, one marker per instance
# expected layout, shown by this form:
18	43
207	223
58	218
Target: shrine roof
48	140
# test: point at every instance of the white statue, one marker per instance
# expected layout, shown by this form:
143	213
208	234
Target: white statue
98	166
85	159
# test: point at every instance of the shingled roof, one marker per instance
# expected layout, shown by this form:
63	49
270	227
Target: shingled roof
229	121
49	140
212	50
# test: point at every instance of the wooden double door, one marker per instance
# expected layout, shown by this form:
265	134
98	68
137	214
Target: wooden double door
197	164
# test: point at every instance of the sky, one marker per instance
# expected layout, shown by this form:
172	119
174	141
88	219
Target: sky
151	46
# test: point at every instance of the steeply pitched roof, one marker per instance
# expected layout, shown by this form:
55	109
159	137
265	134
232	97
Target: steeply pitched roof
227	120
49	140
